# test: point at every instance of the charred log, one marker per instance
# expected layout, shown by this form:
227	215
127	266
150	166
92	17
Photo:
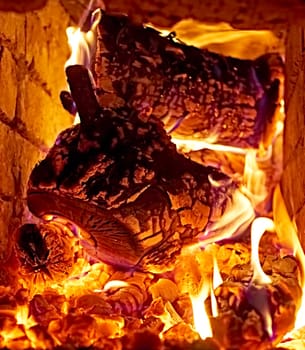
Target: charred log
196	93
126	186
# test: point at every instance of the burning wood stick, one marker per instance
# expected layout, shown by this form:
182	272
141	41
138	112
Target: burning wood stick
196	93
120	179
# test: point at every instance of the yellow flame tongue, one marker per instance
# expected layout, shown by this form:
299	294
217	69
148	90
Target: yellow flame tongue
258	228
83	44
287	233
217	281
223	38
257	294
200	316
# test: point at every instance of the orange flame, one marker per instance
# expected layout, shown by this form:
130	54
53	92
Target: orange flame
223	38
201	319
208	143
235	219
254	178
83	44
287	232
22	316
217	281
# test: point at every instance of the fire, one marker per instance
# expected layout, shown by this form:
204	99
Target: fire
223	38
217	281
287	232
83	44
233	221
254	179
99	305
201	319
257	294
258	228
209	143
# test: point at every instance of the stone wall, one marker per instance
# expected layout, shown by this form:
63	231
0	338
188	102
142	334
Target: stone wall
33	50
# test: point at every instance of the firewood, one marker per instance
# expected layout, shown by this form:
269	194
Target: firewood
121	180
196	93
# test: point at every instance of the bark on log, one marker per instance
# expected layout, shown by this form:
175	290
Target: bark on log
196	93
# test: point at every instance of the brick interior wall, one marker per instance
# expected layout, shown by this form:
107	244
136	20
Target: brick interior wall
33	49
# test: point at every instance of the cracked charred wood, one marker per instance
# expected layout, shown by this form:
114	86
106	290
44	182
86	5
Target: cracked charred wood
121	180
198	94
244	308
232	164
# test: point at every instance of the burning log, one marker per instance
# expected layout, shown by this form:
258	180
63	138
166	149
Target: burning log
120	179
199	95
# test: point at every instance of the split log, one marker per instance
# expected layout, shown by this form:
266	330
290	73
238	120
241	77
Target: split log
199	95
